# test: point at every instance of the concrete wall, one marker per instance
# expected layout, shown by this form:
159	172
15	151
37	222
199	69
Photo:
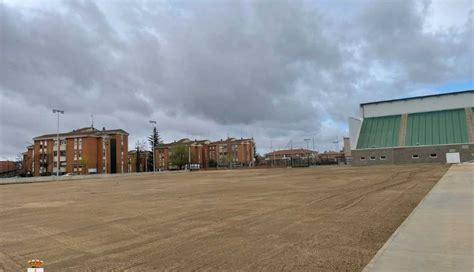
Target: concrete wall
354	130
403	155
347	147
434	103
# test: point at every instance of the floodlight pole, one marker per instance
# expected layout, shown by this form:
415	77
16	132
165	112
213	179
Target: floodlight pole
153	145
57	138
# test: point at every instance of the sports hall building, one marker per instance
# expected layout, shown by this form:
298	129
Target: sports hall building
426	129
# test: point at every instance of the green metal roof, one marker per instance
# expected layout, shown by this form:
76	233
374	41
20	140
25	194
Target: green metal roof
437	127
379	132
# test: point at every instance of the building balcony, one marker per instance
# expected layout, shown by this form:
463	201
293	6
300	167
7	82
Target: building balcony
61	147
62	158
61	169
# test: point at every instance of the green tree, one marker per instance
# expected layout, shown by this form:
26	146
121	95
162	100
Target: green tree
179	156
83	163
212	163
154	140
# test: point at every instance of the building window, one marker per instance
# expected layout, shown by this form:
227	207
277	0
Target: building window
372	158
415	156
433	155
382	158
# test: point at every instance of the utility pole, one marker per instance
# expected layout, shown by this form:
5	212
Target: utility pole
154	144
336	144
105	138
307	143
57	139
313	145
189	156
307	148
273	157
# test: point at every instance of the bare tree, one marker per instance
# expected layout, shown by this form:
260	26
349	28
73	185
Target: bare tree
139	147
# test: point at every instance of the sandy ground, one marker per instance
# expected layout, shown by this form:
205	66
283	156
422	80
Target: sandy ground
313	219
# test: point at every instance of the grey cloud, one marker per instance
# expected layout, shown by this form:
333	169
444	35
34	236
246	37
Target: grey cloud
275	70
394	34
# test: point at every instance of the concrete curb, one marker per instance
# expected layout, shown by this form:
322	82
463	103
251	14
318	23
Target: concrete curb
8	181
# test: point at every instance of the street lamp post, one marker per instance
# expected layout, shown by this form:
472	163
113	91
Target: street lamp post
153	145
57	139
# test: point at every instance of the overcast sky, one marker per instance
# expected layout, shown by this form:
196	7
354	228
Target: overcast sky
273	70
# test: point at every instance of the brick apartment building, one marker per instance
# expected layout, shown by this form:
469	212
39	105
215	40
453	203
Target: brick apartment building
233	152
81	151
144	157
198	152
230	152
27	163
8	169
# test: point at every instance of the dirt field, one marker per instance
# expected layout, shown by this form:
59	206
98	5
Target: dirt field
325	219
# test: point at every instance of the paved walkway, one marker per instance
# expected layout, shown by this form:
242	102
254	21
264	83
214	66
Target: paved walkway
438	234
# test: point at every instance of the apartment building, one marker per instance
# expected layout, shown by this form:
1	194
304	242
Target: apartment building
81	151
8	169
229	152
27	163
143	161
198	153
233	152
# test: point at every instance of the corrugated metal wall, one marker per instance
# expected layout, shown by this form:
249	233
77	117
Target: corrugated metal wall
437	127
379	132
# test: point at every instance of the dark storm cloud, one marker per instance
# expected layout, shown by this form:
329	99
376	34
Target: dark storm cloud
276	70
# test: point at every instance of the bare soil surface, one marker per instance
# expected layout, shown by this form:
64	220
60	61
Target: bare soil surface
312	219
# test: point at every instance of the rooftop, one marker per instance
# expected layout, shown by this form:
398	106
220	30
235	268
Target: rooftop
417	97
86	131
